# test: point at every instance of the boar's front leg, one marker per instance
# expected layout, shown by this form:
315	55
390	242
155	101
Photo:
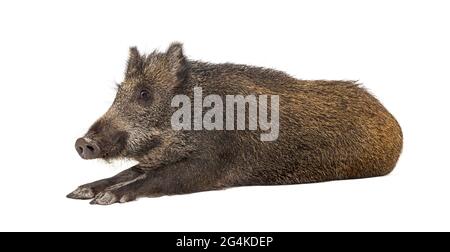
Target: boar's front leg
90	190
177	178
121	192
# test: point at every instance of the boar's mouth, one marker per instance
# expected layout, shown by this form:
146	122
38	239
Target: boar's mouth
112	146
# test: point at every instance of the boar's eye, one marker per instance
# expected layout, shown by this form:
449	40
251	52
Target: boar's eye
144	94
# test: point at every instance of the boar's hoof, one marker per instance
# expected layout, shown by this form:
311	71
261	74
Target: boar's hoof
104	198
81	193
127	198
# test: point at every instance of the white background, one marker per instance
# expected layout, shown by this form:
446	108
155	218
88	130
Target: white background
59	61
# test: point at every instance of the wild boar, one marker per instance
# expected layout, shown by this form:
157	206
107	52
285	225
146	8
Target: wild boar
328	130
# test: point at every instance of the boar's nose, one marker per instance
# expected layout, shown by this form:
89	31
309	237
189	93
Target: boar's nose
87	148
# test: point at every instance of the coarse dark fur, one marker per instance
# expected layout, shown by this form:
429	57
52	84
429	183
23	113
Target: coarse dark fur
329	130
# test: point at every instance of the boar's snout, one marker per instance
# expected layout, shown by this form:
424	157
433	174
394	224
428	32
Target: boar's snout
87	148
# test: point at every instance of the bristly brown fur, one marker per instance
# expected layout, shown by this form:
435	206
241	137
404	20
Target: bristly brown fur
329	130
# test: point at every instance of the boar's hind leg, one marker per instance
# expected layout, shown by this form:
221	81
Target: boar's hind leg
89	191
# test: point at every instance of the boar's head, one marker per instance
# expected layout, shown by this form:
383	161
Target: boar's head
141	109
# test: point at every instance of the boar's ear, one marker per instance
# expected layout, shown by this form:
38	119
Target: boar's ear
177	61
135	63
